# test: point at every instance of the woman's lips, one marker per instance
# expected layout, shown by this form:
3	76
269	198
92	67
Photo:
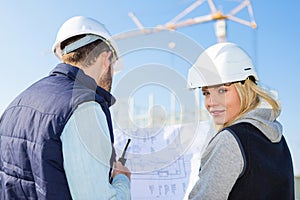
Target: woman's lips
216	113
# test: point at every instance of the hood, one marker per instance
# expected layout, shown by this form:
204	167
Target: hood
263	118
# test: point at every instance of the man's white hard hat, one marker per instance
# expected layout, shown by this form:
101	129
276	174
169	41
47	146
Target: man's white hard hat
80	25
219	64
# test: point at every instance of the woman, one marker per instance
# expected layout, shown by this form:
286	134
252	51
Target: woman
248	158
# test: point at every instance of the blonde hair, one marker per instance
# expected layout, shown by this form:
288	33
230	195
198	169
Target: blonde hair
250	95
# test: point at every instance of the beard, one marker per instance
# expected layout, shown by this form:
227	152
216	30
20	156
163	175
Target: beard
105	80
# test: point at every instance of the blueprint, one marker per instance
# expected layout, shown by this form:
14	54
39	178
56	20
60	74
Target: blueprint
165	162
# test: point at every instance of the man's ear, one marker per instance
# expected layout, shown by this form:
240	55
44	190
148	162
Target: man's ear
106	58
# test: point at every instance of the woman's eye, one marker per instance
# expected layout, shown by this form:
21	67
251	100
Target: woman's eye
222	90
205	93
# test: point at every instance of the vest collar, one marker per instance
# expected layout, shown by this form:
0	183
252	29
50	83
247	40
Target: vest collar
78	75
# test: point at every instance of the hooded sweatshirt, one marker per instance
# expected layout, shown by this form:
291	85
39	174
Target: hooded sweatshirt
225	165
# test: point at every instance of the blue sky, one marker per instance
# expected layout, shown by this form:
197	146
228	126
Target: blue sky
28	30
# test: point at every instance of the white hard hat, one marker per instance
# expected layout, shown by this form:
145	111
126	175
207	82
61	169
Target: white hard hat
221	63
80	25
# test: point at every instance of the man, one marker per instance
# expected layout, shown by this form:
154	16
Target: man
57	136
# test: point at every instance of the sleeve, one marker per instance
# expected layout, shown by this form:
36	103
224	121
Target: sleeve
86	151
221	165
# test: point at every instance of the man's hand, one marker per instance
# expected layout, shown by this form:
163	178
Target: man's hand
120	169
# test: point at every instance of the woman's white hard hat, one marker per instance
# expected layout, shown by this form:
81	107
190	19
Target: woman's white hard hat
219	64
80	25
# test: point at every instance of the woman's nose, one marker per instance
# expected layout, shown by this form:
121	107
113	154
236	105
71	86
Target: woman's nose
213	99
210	100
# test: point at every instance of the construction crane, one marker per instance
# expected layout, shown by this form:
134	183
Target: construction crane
215	15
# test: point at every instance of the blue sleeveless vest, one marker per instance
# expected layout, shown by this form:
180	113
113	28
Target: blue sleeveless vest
31	162
268	171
